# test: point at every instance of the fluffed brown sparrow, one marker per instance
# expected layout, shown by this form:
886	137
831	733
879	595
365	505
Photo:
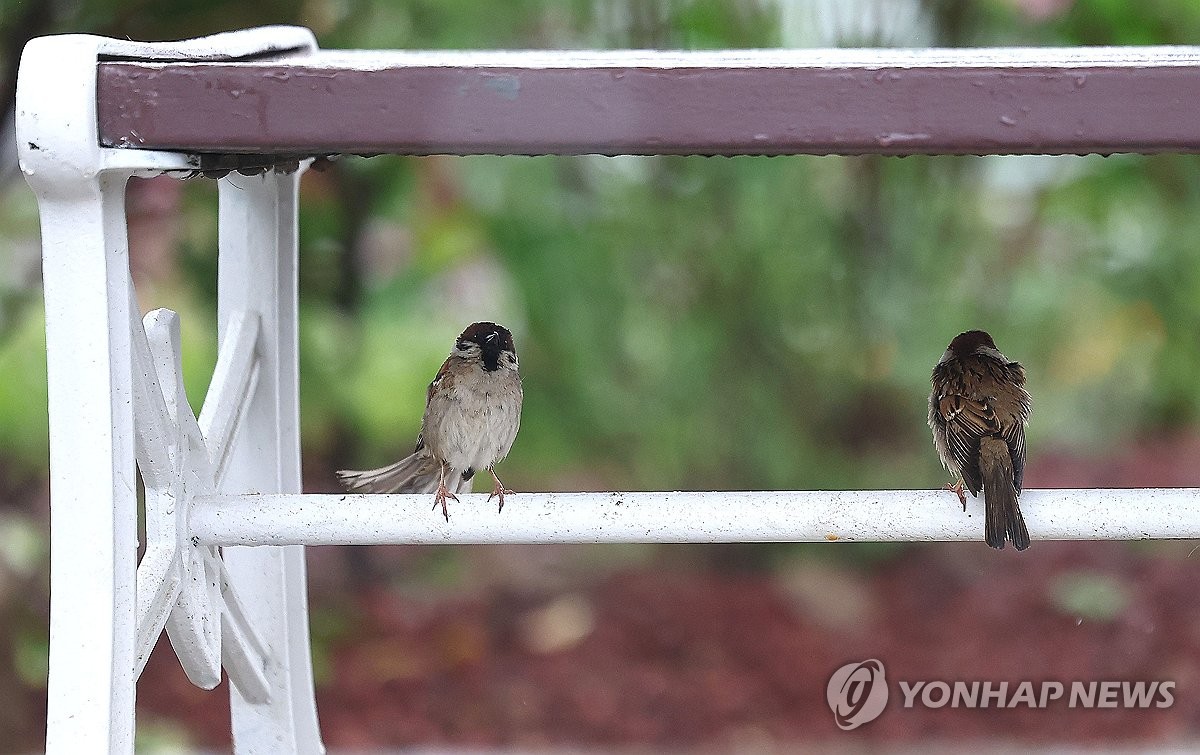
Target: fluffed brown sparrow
472	412
977	411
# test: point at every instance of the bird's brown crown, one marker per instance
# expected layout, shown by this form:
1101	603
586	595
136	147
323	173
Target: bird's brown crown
965	344
489	336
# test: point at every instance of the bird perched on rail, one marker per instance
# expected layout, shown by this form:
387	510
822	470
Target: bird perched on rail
472	412
978	410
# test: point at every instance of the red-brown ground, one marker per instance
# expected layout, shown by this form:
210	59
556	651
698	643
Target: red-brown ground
684	658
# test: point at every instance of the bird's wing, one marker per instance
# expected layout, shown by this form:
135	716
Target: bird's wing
967	420
441	381
1014	413
1014	436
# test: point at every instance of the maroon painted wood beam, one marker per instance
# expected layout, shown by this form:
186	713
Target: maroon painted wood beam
897	102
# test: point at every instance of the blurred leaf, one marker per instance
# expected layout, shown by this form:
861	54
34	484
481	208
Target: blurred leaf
31	658
1089	595
24	548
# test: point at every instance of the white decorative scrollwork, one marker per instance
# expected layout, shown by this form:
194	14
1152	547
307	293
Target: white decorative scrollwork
183	587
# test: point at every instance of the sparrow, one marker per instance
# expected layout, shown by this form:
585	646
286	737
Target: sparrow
472	413
978	410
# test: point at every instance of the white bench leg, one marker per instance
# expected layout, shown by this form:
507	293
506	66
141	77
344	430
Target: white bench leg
257	272
93	501
93	512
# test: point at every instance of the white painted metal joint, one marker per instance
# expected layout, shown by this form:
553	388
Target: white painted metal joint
58	141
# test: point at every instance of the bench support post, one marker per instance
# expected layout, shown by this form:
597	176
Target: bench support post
257	273
93	513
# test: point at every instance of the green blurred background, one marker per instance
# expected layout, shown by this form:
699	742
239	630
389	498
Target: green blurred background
683	323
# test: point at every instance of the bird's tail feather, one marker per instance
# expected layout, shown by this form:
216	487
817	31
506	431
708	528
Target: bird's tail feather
417	473
1003	513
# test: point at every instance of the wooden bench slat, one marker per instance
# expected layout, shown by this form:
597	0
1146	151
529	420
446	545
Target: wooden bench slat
767	102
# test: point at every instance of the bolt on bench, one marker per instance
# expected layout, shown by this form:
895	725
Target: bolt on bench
252	108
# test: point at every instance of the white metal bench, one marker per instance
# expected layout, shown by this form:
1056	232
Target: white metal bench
93	112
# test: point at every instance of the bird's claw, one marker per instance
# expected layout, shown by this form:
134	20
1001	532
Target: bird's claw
498	490
957	489
440	497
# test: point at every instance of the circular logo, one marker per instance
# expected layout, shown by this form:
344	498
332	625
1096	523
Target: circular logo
857	693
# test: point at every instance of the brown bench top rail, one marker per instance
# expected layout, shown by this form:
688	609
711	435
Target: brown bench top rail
764	102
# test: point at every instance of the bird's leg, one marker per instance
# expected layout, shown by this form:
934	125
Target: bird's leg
442	493
498	490
957	488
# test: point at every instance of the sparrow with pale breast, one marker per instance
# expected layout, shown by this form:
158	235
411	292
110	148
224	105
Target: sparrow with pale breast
978	410
472	413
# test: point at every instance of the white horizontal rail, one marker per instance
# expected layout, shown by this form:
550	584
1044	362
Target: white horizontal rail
711	517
